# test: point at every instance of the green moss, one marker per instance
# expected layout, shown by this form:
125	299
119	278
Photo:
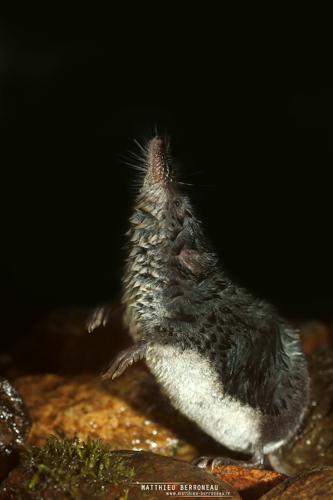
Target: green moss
73	468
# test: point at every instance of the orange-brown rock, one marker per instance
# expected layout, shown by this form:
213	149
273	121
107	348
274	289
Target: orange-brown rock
128	413
250	483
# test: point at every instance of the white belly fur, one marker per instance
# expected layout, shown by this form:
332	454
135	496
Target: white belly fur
195	389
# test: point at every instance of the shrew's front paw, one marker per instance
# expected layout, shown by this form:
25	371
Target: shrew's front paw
126	358
98	318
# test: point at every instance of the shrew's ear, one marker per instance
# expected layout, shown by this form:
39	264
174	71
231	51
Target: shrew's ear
197	262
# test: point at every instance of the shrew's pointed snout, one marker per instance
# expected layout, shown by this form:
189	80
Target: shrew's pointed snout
158	170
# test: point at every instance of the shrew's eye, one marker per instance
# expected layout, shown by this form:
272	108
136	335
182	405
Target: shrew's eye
177	203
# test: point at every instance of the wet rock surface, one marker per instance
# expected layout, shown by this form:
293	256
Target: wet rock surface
123	412
307	485
72	469
14	419
14	425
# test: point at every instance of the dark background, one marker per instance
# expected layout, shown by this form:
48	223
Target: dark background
258	150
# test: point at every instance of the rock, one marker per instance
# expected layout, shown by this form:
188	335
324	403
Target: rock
307	485
72	469
14	425
250	483
313	445
128	413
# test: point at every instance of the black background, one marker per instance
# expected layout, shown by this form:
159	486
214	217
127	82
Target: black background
256	146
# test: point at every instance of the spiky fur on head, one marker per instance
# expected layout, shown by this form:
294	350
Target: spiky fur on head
167	244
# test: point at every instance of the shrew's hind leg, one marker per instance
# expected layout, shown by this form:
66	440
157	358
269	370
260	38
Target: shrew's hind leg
126	358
